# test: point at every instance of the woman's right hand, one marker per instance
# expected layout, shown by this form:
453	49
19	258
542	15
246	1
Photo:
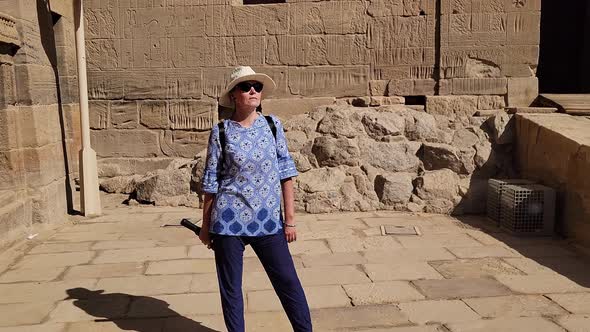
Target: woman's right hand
205	237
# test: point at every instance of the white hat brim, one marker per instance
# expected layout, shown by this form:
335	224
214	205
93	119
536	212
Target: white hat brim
269	87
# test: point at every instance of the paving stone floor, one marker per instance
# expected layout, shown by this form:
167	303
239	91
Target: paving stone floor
123	271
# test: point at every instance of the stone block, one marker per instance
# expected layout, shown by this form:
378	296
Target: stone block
111	167
313	247
382	293
138	255
483	251
289	107
441	311
378	87
106	85
333	275
31	274
98	111
48	248
514	306
280	76
154	114
38	126
37	84
296	50
146	285
577	303
351	244
24	313
419	254
181	267
522	91
11	169
523	28
474	268
322	81
205	282
452	106
400	56
243	20
198	115
317	297
100	271
134	143
540	284
342	17
40	292
524	324
331	319
460	288
384	32
124	115
183	304
84	237
55	260
185	144
401	271
574	323
479	86
335	259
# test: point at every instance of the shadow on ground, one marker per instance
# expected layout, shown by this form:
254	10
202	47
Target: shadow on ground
133	313
552	252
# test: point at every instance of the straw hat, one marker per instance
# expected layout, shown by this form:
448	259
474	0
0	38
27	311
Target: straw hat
243	74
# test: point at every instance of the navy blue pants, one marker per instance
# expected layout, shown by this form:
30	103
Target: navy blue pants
273	252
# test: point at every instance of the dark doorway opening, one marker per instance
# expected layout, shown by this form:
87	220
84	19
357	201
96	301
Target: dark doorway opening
564	59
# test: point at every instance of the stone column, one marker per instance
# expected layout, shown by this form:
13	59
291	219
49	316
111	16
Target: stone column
90	199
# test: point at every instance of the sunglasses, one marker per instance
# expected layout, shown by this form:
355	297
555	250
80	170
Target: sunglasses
246	86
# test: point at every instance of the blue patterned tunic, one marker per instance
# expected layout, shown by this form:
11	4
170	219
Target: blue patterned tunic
247	187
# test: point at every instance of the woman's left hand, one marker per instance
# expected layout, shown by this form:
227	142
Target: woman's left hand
290	233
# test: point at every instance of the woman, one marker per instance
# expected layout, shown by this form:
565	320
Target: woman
247	171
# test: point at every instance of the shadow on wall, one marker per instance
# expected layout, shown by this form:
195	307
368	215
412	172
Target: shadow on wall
132	313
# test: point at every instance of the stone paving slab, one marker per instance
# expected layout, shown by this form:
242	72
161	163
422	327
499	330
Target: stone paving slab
24	313
522	324
140	254
483	251
540	284
83	237
88	310
438	311
438	241
104	271
382	293
461	288
575	323
49	248
357	317
332	275
514	306
339	258
143	325
44	292
35	274
146	285
181	266
415	254
401	271
123	244
204	283
577	303
317	297
474	268
179	304
55	260
422	328
534	251
312	247
35	328
361	244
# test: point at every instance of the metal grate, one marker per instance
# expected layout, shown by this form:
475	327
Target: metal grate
528	209
495	187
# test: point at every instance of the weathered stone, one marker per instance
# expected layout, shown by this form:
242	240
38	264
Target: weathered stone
393	188
503	127
288	108
514	306
491	102
358	317
98	112
452	106
460	288
381	124
473	268
421	126
335	151
384	101
120	143
522	91
578	303
111	167
154	114
120	184
124	115
341	121
442	311
440	156
167	187
390	156
524	324
382	293
321	179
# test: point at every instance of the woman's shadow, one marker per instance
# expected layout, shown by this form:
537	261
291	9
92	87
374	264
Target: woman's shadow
133	313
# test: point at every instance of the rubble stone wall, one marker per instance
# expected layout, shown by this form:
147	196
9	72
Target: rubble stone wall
39	121
555	150
157	67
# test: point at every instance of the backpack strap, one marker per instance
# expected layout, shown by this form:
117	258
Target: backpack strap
221	142
272	126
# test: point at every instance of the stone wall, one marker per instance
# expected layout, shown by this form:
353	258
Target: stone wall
554	149
39	121
157	67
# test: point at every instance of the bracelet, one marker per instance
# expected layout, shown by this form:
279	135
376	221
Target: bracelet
289	225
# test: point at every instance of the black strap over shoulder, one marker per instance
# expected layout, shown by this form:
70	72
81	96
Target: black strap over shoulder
272	126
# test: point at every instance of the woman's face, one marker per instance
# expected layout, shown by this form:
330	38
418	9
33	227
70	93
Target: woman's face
249	98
